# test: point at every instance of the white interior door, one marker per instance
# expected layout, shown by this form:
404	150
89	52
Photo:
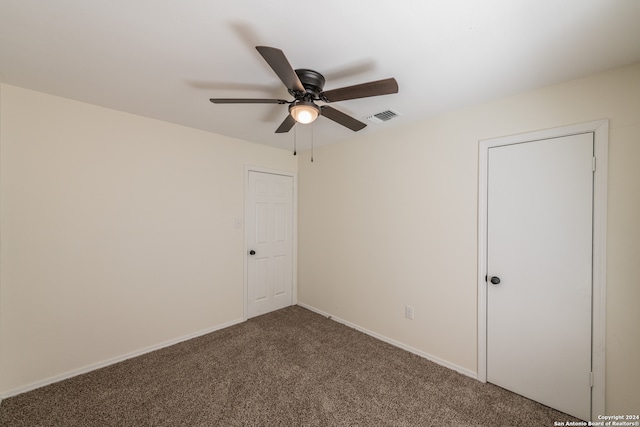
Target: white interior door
539	246
269	228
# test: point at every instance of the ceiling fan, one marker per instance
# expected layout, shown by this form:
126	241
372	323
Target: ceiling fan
306	87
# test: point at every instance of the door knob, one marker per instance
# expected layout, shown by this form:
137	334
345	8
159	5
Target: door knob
252	252
495	280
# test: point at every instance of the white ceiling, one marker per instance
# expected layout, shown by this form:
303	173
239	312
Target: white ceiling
164	59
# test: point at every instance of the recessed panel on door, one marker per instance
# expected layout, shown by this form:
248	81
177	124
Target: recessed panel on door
261	279
281	278
281	222
261	222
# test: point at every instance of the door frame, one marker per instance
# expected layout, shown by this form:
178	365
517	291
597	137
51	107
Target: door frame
294	235
600	129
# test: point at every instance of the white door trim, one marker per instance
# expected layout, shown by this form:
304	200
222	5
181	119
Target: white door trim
600	129
245	247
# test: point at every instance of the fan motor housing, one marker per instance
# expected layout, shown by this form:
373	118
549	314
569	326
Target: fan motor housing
312	81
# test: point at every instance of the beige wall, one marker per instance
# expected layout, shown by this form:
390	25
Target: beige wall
117	233
391	220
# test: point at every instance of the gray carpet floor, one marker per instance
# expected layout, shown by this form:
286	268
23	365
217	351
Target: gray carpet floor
291	367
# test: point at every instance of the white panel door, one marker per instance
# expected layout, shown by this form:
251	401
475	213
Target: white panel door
269	227
539	213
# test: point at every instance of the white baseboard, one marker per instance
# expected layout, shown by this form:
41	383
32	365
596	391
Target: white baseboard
112	361
395	343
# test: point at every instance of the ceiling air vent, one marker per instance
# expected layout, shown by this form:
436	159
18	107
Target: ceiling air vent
384	116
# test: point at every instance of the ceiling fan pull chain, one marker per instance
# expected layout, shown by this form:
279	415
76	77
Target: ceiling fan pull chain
312	142
295	139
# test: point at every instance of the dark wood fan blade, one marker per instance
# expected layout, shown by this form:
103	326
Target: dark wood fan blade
286	125
280	65
247	101
341	118
364	90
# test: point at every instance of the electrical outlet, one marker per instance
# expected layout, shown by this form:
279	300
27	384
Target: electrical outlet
408	312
